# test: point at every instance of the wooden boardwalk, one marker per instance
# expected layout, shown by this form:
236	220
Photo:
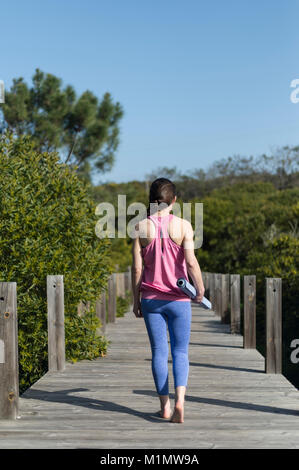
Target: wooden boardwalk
111	402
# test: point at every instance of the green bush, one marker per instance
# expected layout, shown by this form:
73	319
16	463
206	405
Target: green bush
253	229
123	304
47	226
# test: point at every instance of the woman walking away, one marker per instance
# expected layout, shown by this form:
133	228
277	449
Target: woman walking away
162	252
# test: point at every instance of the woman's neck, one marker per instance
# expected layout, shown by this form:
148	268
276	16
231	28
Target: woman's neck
161	213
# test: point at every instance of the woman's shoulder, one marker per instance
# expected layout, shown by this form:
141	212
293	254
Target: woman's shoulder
143	222
185	227
143	227
180	220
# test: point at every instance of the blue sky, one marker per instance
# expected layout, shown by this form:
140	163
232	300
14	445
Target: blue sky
199	80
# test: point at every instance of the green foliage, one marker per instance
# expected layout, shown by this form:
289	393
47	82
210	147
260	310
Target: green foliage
47	226
123	304
239	221
83	128
253	229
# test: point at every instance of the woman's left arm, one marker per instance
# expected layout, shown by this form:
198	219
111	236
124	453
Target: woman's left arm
136	271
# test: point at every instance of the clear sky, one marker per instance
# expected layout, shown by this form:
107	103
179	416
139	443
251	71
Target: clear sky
198	80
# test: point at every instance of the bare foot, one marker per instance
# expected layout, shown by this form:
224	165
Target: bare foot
165	412
178	414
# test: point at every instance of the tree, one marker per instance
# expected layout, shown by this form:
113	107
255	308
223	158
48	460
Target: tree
163	172
47	226
83	129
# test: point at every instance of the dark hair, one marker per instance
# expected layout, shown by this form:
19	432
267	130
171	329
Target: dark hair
162	190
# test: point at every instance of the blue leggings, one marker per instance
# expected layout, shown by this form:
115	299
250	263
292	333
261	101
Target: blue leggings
177	314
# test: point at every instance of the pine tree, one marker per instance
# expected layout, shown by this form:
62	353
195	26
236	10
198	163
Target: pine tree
82	129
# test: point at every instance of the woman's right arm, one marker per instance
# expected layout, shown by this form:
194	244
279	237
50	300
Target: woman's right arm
137	269
192	263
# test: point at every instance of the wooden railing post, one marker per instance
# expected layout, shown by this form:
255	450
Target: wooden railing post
204	278
235	315
101	310
273	326
117	283
215	293
225	315
212	290
9	367
208	286
128	282
249	312
218	294
56	339
112	298
127	279
121	284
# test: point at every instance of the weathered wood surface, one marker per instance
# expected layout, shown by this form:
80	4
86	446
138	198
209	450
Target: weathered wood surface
273	325
101	311
250	312
225	313
9	370
120	285
235	312
111	402
112	298
56	336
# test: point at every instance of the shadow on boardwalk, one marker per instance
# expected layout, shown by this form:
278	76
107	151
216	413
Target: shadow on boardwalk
111	402
67	397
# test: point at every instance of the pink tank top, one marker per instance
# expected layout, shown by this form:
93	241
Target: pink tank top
164	262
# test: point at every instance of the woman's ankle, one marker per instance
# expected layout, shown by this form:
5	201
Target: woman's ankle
179	403
164	400
180	395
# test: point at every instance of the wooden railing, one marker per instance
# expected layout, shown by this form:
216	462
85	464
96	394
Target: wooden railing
118	285
223	290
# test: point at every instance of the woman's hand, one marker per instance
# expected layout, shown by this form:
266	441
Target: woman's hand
137	308
200	294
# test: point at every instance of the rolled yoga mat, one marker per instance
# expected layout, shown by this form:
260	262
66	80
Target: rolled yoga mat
191	291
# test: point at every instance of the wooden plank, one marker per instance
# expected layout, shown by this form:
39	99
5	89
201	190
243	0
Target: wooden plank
235	310
273	326
207	285
56	337
101	310
219	294
112	298
121	282
104	310
127	280
212	290
117	284
9	367
215	293
203	275
225	313
128	284
250	312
